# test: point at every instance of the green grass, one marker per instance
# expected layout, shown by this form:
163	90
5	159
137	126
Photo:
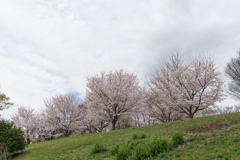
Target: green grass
213	137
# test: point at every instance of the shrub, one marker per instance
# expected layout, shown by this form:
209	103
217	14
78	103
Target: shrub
123	152
177	138
126	149
157	145
134	150
115	149
139	153
134	136
143	136
98	147
11	136
132	144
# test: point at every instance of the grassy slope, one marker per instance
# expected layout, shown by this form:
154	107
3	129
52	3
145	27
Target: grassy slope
215	142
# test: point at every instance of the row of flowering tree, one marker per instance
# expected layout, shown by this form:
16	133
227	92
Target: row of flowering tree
62	116
115	99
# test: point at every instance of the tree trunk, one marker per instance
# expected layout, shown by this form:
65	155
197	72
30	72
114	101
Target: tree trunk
191	115
113	125
28	141
66	133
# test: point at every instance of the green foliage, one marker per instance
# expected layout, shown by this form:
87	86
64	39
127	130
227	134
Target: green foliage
11	136
134	136
177	138
123	152
143	136
4	102
132	144
98	147
157	145
139	153
135	150
115	149
126	149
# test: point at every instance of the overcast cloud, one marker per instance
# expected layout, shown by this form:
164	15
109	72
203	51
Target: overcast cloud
50	46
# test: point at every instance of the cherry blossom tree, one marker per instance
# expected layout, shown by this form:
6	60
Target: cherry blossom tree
91	124
29	122
161	113
112	95
63	114
185	88
157	110
142	116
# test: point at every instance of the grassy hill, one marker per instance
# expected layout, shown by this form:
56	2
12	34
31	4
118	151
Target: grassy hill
212	137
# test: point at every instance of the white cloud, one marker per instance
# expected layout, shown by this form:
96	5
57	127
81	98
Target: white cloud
50	46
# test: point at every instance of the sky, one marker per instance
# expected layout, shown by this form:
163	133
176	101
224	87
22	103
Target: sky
49	47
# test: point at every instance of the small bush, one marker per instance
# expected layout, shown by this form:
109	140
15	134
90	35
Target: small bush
134	136
123	152
139	153
143	136
11	136
177	138
133	144
115	149
134	150
126	150
157	145
98	147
